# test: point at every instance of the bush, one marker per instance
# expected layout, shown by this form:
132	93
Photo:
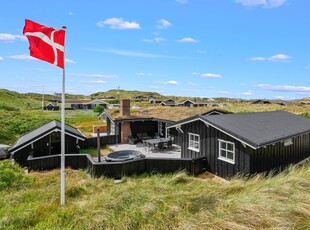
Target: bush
98	109
306	115
8	108
11	175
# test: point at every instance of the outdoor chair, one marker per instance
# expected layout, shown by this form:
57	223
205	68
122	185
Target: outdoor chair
145	145
169	144
132	140
160	145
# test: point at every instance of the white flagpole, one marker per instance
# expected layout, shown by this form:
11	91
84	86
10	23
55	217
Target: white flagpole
62	163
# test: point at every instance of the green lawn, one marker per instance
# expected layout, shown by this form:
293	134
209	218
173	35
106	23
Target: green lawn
174	201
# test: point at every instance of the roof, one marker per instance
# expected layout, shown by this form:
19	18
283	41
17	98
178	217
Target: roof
85	102
168	103
159	112
43	131
258	129
4	146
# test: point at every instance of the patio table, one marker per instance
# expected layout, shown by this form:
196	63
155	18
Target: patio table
153	142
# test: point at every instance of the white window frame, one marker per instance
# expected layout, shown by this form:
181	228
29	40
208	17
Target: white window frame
232	161
191	142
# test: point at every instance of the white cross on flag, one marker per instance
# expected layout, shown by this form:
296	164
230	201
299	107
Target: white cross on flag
46	43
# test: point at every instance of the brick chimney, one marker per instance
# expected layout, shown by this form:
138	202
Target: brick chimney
125	126
125	108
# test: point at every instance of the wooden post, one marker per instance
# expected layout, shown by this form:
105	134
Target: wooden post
98	144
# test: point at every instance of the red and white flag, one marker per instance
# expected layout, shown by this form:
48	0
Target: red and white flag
46	43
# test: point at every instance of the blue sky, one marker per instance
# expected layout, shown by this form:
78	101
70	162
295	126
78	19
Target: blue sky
199	48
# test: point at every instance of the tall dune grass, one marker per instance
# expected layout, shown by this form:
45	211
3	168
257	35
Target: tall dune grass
175	201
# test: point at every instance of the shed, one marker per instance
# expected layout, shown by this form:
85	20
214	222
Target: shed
45	141
245	143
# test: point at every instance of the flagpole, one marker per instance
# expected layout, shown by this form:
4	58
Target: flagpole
62	169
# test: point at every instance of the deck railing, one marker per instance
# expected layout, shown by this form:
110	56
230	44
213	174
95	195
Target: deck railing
119	169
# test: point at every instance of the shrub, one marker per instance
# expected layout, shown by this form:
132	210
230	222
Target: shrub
307	115
11	175
98	109
8	108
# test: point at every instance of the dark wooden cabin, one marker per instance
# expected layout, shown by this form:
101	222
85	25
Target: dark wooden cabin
245	143
44	141
261	102
52	106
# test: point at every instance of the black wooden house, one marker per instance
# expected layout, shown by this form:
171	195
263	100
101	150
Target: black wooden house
245	143
45	141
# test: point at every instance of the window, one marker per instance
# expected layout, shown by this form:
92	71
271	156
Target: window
194	142
227	151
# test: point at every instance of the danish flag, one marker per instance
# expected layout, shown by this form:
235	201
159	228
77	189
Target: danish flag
46	43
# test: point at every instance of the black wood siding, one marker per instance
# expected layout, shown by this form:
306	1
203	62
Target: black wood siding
247	160
41	148
279	156
209	147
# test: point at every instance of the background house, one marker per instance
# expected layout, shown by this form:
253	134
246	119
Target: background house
244	143
52	106
85	104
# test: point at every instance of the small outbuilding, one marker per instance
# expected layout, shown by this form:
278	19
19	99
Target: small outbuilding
245	143
45	141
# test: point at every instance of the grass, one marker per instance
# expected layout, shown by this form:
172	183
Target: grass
94	151
174	201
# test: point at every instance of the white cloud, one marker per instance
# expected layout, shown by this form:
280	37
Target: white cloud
11	37
246	93
171	82
182	1
188	39
307	67
223	92
1	58
263	3
284	88
22	57
279	97
277	57
69	61
119	24
211	75
163	24
105	76
155	40
208	75
70	13
144	74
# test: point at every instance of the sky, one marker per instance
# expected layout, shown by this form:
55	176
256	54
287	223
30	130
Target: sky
246	49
